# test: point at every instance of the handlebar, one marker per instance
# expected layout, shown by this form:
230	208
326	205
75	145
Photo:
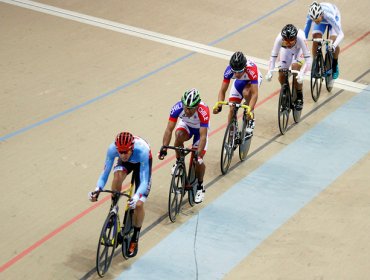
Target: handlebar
125	193
286	70
180	149
321	40
231	104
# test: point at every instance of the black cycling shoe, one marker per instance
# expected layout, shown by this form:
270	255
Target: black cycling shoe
298	105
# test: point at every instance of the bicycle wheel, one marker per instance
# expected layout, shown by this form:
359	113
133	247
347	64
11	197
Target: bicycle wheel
328	71
245	140
127	231
228	146
316	77
176	193
296	113
284	108
107	244
193	183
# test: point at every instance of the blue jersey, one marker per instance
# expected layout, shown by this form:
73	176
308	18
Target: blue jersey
141	155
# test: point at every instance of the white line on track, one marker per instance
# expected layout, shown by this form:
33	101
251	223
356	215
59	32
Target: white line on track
158	37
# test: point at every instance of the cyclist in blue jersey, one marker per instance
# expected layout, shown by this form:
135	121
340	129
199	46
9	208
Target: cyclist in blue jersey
326	15
133	154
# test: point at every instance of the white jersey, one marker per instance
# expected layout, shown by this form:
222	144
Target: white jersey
299	53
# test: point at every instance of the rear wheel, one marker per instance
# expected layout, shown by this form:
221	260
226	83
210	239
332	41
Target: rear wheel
328	71
127	231
176	193
316	77
107	244
228	145
284	109
245	140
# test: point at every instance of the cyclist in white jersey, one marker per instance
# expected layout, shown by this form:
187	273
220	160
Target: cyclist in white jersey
193	116
290	44
325	15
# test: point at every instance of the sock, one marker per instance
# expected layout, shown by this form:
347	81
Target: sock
335	63
135	235
200	185
299	94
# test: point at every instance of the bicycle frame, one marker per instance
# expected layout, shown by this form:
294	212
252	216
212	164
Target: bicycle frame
234	136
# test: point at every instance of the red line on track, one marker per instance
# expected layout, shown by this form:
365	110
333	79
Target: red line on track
100	202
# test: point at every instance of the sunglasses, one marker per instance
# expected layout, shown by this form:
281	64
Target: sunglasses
235	71
124	152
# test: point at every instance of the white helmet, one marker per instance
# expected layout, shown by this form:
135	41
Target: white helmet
315	10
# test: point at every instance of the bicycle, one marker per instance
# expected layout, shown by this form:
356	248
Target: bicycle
182	181
112	233
286	103
234	137
321	68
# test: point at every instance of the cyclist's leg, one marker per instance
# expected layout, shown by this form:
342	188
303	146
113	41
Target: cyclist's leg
335	67
286	58
296	65
182	134
317	31
139	213
200	169
236	95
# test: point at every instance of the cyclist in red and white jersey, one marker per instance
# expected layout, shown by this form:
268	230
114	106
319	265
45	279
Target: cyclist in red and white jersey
247	80
190	117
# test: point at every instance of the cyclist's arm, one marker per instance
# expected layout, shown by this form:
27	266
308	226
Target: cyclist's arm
307	26
109	160
168	132
202	140
143	188
337	28
275	52
223	89
253	95
305	51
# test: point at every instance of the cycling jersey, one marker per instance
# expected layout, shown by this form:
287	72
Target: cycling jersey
191	124
299	53
141	156
250	74
331	18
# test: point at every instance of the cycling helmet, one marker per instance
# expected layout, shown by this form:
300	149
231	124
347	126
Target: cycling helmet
191	98
315	10
289	32
238	62
124	141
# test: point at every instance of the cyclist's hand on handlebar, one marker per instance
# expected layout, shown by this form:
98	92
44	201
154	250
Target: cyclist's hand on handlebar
162	153
269	76
198	158
93	196
133	200
332	48
217	109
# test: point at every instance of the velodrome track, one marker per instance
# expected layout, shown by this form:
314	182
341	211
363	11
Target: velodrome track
68	87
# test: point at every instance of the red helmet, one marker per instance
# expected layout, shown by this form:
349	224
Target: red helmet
124	141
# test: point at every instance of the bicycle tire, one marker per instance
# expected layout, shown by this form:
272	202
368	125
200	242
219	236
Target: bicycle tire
107	240
127	232
296	113
228	145
284	109
245	140
316	77
328	71
192	179
176	192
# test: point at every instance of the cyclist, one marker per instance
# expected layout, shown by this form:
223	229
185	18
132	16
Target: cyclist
194	122
294	53
326	15
133	154
247	80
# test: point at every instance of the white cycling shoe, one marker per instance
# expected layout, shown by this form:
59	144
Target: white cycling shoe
199	196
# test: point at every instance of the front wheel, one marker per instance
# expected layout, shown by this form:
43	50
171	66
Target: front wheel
316	78
245	140
192	180
176	192
107	243
228	145
284	109
328	71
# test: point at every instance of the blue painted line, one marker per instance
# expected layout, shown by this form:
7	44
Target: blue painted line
225	232
134	81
